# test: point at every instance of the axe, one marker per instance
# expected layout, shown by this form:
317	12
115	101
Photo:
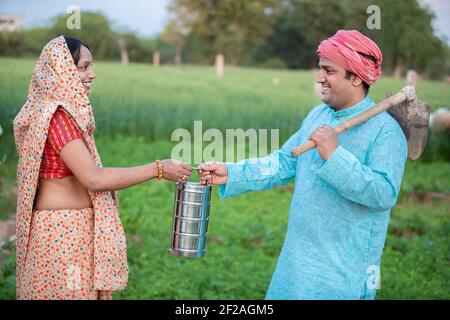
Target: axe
411	114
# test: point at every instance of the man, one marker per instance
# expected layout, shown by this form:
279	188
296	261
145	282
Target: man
344	189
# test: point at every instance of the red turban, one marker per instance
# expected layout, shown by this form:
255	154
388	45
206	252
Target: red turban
354	52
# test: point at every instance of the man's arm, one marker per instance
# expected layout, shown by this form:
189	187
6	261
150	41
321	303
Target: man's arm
375	184
253	174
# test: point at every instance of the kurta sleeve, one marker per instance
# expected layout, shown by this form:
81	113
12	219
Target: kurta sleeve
375	184
262	173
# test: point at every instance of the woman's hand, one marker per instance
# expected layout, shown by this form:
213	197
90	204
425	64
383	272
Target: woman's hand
175	170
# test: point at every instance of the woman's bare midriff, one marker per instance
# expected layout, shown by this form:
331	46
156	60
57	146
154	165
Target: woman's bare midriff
65	193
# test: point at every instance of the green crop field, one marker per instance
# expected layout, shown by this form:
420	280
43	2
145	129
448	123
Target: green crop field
137	107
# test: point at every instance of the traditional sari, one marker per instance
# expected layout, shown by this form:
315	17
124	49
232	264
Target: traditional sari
45	269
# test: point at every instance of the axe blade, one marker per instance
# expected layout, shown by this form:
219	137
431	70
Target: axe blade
413	117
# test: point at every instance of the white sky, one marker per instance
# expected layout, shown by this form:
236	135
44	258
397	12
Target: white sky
441	23
148	17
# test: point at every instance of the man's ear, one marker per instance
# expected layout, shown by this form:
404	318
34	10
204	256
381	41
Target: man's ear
356	80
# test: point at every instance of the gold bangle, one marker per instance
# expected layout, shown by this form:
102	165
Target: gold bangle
160	169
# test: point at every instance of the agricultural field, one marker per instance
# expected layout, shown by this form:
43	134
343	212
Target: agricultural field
137	107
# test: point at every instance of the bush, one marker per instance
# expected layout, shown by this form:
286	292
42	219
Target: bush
11	43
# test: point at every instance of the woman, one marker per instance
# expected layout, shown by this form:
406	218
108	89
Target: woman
70	241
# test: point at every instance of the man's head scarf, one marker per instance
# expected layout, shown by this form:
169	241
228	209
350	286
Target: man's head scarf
355	52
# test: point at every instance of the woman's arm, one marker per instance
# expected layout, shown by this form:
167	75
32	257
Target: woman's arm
78	159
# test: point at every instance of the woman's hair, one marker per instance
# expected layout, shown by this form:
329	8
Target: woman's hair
74	47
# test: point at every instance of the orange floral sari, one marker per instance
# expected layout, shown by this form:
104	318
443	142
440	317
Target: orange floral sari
55	82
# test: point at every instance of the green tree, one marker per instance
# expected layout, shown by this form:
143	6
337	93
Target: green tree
407	37
157	44
138	50
95	31
301	26
174	35
178	28
11	43
34	40
234	28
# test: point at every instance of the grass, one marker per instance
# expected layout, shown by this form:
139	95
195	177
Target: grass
136	109
415	262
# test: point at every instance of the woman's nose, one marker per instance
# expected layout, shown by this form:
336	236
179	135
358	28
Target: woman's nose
91	74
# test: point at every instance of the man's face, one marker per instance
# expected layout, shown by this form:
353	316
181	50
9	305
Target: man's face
336	90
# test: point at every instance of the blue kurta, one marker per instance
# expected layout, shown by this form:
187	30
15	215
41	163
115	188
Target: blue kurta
340	208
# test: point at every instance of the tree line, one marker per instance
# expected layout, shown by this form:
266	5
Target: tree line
258	33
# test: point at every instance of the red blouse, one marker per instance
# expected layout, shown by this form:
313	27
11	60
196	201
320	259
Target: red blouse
62	130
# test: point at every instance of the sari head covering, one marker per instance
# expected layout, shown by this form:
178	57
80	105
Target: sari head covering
355	52
56	83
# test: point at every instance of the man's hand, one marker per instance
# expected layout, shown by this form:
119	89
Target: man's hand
326	139
213	173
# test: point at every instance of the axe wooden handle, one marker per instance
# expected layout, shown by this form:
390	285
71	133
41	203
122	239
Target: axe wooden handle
407	93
